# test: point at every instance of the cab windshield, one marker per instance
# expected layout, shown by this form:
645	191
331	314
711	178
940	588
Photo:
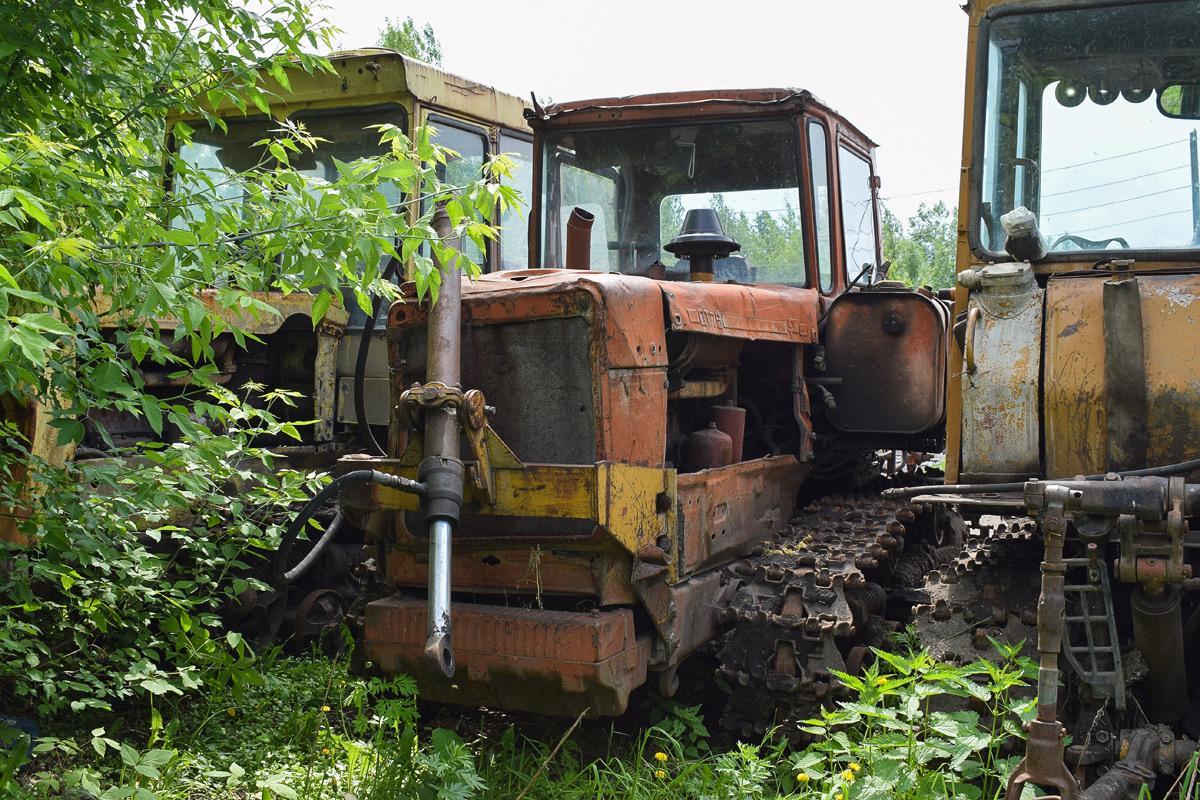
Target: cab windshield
639	183
1074	129
212	153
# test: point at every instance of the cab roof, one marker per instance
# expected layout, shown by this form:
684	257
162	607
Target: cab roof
679	106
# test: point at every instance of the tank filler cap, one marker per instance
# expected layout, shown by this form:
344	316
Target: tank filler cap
1014	277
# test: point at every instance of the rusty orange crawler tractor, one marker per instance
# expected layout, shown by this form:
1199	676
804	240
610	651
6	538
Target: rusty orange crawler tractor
706	329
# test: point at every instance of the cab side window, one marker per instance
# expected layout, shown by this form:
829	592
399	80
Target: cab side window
858	210
470	142
514	230
818	154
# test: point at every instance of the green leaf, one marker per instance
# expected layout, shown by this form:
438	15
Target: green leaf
33	207
321	304
69	431
181	236
402	168
153	412
158	757
108	377
45	323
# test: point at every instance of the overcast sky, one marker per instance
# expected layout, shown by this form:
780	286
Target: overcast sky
895	68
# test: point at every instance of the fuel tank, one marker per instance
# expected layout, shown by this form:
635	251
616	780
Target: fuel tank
1121	389
1091	374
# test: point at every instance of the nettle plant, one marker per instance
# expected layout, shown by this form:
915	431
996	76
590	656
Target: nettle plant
112	590
920	729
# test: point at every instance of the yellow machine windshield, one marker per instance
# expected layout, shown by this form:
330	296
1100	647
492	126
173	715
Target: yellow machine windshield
1089	118
344	134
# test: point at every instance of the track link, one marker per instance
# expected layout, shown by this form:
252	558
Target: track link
989	590
815	600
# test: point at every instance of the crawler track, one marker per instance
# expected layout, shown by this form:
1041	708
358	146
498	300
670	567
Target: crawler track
989	590
848	571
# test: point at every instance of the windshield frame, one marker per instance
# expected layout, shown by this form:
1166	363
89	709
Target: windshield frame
539	212
978	128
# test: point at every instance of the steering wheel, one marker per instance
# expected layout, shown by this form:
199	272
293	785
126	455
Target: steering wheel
1087	244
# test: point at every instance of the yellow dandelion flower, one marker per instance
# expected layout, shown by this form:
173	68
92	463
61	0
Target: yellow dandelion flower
848	776
231	712
880	681
324	708
660	756
324	751
839	796
658	773
802	777
854	765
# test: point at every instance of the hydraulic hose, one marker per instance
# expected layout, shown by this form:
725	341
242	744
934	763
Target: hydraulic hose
360	366
281	576
1016	486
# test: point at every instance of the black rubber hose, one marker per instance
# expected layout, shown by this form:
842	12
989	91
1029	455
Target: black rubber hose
360	366
1015	486
280	575
306	563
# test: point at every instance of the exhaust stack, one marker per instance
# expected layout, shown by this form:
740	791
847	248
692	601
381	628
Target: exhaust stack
579	239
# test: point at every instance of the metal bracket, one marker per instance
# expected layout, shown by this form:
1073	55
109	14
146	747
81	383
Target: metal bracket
472	412
1043	763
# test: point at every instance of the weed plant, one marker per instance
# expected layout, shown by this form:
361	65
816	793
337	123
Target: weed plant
915	728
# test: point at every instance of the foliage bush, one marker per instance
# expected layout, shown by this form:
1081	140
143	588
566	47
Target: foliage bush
113	595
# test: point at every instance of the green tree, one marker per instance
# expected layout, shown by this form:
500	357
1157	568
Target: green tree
407	38
114	592
925	253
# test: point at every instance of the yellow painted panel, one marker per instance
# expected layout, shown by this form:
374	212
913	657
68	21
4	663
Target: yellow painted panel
1075	385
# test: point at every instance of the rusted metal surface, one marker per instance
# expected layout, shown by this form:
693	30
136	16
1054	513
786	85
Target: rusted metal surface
579	239
622	376
1077	427
1043	762
1158	633
627	396
548	662
731	421
754	313
695	105
522	569
683	615
710	448
324	383
375	75
243	319
727	510
635	506
802	605
440	468
1001	423
887	350
599	381
32	421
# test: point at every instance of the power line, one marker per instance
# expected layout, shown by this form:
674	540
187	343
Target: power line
1109	227
1114	183
1112	158
918	194
1115	202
